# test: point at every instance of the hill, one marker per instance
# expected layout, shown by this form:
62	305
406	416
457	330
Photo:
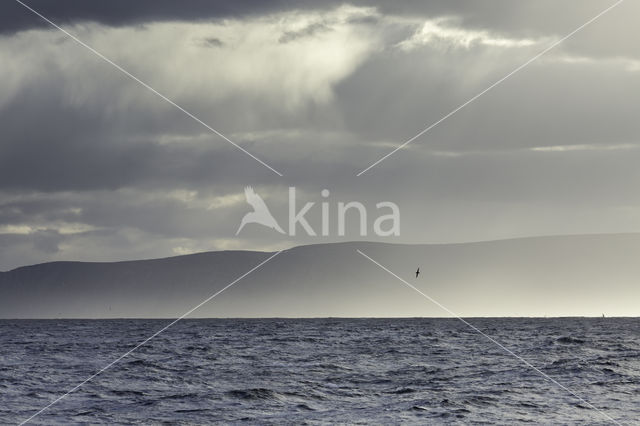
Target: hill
555	276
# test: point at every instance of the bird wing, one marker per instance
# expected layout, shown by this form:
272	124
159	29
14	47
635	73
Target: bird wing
254	199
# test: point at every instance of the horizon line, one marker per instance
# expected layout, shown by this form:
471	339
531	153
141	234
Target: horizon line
316	318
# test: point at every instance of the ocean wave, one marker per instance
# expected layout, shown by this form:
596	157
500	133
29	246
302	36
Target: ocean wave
255	394
570	340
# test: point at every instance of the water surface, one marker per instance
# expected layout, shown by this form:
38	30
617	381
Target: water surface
311	371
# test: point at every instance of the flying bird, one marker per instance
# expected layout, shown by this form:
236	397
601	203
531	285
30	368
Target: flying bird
417	272
260	213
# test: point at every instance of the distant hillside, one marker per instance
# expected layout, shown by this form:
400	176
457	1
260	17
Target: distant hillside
566	275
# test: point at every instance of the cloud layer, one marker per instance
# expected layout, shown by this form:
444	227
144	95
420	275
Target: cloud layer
94	166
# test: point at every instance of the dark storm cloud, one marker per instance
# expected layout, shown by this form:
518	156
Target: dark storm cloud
49	144
308	31
213	42
42	159
94	167
505	15
14	17
612	36
77	124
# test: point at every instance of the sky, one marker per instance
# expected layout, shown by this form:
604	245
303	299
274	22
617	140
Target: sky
94	166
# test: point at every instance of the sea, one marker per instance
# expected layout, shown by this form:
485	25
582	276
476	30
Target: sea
322	371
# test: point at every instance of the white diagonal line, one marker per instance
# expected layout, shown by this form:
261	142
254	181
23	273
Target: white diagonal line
422	132
88	379
136	79
510	352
